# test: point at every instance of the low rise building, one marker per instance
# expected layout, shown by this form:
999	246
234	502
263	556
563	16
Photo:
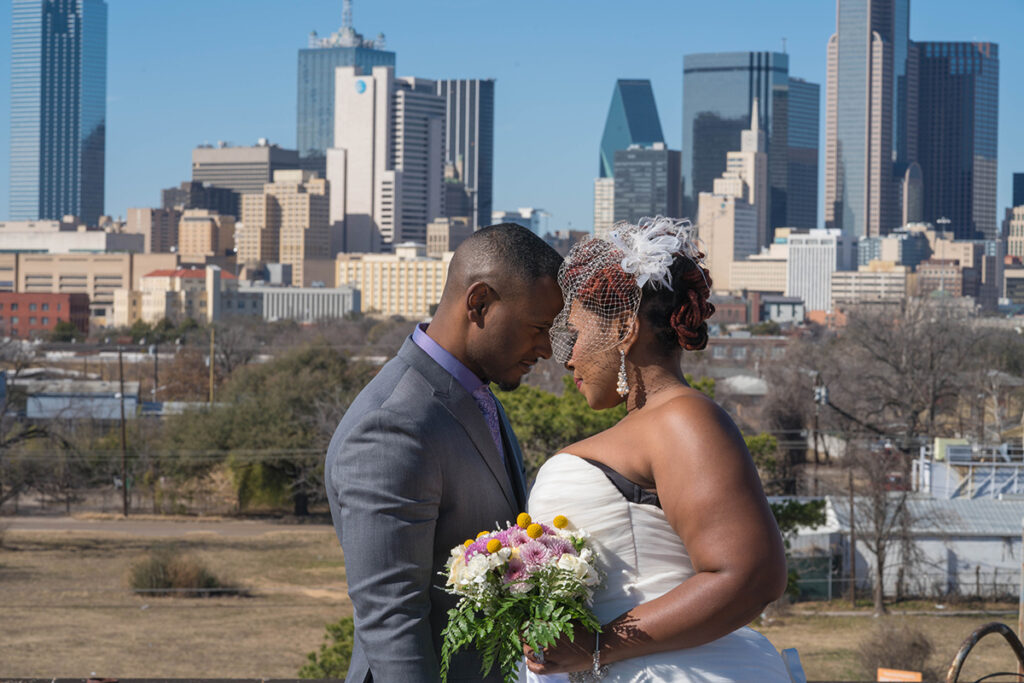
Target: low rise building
940	275
303	304
97	276
158	227
202	294
446	234
784	310
203	234
877	281
406	283
1013	285
64	237
30	315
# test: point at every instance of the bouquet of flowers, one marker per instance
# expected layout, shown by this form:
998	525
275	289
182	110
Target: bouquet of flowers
526	583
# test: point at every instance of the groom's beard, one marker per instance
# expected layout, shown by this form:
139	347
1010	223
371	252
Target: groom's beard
509	386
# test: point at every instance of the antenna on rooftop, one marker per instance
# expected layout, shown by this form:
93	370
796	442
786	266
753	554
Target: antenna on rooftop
346	14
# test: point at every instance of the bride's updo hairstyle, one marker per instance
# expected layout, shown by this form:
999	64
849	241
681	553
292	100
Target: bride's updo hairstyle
654	269
680	315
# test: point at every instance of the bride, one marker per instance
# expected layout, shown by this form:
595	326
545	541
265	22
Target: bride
670	494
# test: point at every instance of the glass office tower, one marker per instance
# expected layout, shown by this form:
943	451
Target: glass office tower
646	182
315	103
871	115
58	109
718	94
632	120
803	134
469	143
957	135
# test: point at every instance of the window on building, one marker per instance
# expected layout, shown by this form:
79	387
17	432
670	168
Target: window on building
46	321
32	321
719	352
14	307
46	307
31	307
14	320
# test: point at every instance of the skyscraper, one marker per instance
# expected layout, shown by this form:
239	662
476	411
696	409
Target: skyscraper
315	101
469	142
802	172
58	109
386	168
957	135
718	91
871	116
646	182
244	170
604	206
732	220
286	223
1018	189
632	120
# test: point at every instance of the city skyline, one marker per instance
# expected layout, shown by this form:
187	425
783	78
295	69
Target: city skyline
551	90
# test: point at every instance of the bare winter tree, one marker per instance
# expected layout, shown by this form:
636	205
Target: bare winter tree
15	430
881	516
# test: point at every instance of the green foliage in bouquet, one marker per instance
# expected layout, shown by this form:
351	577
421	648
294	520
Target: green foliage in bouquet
498	638
528	583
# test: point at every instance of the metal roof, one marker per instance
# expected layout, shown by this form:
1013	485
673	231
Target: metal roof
944	517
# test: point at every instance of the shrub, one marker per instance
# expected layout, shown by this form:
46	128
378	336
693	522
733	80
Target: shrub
167	571
335	652
895	644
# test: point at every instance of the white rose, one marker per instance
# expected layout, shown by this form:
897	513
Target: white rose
568	563
456	570
477	567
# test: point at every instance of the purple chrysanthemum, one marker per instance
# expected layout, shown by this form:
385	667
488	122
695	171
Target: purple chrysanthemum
557	546
534	553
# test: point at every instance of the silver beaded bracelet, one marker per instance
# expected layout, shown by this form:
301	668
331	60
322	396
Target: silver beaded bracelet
597	672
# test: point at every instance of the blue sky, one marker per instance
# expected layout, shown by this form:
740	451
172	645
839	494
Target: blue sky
184	72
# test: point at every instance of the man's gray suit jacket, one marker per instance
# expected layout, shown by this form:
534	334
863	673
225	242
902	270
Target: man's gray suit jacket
411	472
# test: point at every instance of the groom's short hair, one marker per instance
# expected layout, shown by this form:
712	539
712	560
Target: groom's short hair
506	248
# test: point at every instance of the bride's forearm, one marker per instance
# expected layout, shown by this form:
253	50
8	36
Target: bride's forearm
705	607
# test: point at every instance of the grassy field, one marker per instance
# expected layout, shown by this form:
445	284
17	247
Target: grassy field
66	611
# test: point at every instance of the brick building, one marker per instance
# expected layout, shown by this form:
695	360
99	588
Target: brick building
33	314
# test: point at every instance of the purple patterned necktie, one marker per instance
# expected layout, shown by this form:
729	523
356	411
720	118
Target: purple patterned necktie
485	399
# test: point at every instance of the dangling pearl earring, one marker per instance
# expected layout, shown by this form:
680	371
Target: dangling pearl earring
622	387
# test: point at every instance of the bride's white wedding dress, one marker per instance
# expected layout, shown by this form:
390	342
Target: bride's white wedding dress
644	559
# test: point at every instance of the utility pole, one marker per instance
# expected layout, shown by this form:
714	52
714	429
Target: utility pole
124	440
853	548
212	336
156	369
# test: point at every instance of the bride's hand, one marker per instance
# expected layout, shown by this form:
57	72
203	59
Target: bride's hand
563	657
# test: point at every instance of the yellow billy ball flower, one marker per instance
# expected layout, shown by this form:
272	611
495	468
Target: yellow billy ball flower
482	533
493	545
560	522
523	520
535	531
468	542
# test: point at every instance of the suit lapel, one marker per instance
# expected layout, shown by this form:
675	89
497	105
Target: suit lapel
514	455
464	409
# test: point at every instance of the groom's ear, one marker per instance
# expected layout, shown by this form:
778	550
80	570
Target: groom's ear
479	298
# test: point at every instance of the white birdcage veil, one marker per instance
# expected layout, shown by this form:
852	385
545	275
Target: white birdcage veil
606	278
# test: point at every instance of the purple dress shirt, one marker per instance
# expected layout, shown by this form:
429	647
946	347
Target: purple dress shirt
467	378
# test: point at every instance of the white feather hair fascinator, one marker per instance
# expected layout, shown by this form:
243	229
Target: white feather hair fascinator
650	246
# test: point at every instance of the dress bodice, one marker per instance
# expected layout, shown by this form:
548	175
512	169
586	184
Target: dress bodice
643	558
641	553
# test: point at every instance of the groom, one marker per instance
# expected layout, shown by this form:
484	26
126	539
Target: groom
425	458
